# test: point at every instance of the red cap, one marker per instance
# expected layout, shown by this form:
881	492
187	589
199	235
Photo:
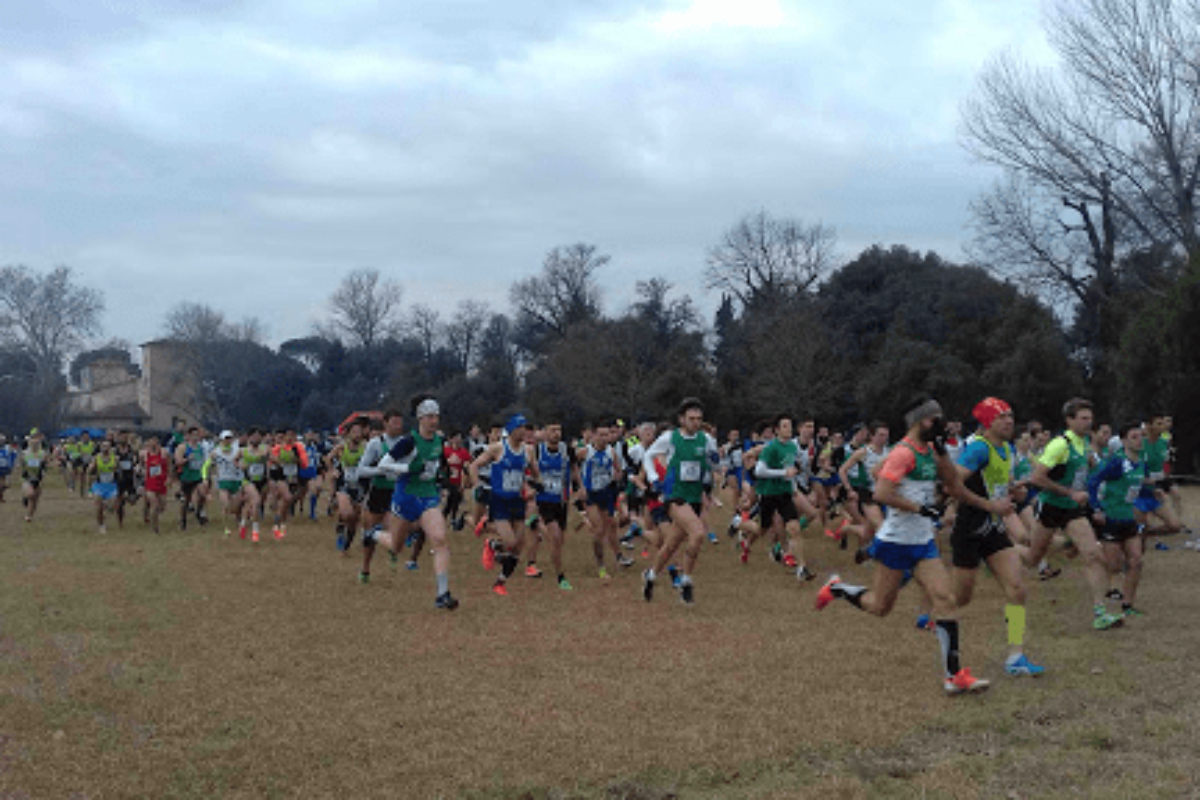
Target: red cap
988	409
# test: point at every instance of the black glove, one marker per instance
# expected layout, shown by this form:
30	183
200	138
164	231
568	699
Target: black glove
939	445
931	511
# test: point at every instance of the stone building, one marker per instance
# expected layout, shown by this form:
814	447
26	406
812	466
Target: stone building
113	395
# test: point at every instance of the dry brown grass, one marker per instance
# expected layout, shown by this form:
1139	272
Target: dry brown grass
136	665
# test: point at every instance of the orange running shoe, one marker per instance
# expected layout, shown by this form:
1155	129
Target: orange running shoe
479	526
242	532
489	555
532	571
254	536
279	534
964	681
826	596
500	589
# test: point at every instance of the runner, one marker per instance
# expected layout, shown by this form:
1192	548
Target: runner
907	484
1154	497
103	467
1061	476
600	467
982	525
416	460
554	464
382	486
457	457
157	467
689	454
230	478
85	453
857	474
253	460
507	461
32	465
288	460
1114	490
775	471
127	469
190	456
345	459
8	460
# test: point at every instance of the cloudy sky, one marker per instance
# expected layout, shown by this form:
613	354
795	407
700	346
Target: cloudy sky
250	154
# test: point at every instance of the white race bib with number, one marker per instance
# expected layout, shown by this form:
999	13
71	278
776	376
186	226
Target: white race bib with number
290	470
690	471
256	470
553	484
1132	494
600	481
106	477
155	471
429	471
513	481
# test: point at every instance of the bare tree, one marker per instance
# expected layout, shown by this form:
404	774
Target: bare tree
565	293
464	329
669	318
195	322
47	317
426	323
364	311
762	258
1101	158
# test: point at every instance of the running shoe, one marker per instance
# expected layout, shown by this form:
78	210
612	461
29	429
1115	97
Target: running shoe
276	533
861	555
1022	666
500	589
805	574
342	544
489	555
964	681
104	529
745	548
565	585
479	526
1049	573
1161	546
627	540
789	561
1103	622
1132	612
394	558
445	601
242	532
826	596
924	621
776	553
647	586
673	571
603	574
228	533
254	537
712	537
732	530
532	571
625	562
1114	594
411	566
364	577
687	594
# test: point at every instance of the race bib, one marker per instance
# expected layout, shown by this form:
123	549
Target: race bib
1157	476
196	464
155	471
553	484
256	470
513	481
106	477
1132	494
33	463
600	481
690	471
290	470
429	471
126	466
1080	482
1000	492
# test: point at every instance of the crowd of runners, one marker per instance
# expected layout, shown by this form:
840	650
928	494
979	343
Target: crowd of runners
1001	496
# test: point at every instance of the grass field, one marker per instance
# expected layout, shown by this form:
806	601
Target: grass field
190	665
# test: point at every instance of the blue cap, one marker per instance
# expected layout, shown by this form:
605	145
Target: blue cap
514	422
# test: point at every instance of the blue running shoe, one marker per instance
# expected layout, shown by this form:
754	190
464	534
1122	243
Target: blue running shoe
342	543
1022	666
923	621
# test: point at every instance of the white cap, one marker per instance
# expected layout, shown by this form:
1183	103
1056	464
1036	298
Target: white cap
226	434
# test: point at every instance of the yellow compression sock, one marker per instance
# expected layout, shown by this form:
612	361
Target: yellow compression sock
1015	615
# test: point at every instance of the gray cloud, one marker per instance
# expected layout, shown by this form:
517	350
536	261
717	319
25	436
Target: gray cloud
249	154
